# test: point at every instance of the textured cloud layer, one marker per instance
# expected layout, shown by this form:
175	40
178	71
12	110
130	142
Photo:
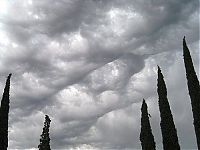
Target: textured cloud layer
89	63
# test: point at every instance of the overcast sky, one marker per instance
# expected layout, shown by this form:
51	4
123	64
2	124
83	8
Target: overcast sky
89	63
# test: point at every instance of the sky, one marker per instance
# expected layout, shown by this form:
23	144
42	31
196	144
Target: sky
89	63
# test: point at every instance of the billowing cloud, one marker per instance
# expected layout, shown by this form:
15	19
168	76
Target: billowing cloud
89	63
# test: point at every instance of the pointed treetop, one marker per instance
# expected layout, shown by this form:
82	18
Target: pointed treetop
184	42
9	76
159	70
160	75
144	103
47	118
8	81
158	67
186	52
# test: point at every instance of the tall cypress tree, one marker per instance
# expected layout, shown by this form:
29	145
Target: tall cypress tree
194	89
146	136
169	134
45	140
4	111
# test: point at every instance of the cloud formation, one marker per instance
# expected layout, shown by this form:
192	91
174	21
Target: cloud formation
89	63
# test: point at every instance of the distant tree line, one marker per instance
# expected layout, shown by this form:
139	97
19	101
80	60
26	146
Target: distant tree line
168	129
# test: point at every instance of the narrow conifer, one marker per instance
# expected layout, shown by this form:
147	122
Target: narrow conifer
4	111
45	139
146	136
194	89
169	133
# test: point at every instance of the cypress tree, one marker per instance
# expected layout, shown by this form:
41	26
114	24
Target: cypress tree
45	140
4	111
194	89
146	136
169	134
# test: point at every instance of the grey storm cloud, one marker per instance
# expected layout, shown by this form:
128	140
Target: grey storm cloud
89	63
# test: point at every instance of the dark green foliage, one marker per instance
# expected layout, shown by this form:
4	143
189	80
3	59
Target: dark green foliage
45	140
194	89
146	136
4	111
169	134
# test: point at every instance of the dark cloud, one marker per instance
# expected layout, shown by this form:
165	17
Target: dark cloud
89	63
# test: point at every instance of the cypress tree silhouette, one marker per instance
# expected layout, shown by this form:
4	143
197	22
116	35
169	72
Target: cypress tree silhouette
169	134
4	111
146	136
45	140
194	89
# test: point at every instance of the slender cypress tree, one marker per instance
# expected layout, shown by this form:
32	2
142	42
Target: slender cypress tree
45	140
194	89
146	136
169	134
4	111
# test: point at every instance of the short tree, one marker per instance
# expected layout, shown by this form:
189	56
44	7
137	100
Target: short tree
45	139
146	136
